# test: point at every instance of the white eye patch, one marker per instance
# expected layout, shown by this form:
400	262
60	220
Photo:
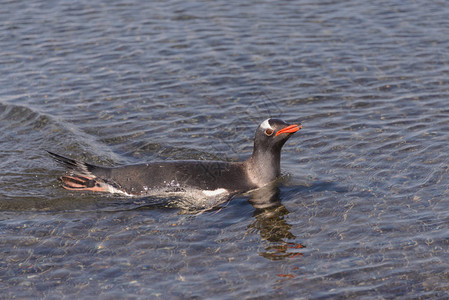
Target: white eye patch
265	124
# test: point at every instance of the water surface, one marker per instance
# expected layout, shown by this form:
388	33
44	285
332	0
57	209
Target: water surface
360	211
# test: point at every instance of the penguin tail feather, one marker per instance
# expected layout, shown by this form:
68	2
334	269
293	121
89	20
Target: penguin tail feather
81	177
76	166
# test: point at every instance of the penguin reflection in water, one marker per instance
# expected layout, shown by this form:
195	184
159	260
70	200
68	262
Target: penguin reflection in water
203	184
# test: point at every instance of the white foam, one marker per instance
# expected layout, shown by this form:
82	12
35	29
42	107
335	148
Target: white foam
211	193
188	198
114	190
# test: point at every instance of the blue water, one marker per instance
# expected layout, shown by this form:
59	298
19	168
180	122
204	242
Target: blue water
361	210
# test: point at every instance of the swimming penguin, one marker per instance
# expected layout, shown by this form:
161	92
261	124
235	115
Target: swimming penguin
202	178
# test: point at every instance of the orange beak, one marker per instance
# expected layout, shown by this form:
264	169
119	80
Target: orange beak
289	129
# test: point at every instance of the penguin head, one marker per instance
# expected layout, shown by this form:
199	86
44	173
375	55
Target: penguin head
264	164
272	134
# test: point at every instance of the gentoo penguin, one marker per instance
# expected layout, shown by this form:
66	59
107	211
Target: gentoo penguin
197	178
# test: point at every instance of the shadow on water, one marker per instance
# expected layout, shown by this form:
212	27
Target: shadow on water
271	224
270	218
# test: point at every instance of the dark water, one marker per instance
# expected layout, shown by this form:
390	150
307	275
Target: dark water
362	210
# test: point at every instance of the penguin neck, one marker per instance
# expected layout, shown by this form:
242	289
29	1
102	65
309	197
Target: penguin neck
264	166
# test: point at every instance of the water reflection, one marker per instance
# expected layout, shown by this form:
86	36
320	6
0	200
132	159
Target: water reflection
269	218
270	222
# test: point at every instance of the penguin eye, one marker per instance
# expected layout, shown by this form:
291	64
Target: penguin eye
269	131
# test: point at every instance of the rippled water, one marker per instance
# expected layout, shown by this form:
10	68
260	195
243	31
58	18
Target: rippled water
362	207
